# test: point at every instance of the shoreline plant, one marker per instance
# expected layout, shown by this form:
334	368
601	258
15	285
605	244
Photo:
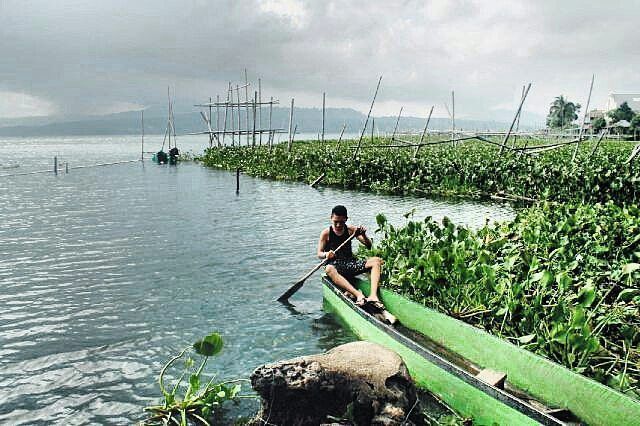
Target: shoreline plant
559	280
471	169
195	401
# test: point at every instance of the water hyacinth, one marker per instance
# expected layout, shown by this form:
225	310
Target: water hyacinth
470	169
560	280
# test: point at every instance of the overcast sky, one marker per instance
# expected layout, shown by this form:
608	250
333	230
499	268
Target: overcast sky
71	57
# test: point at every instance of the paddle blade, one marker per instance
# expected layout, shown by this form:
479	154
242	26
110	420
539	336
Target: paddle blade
287	294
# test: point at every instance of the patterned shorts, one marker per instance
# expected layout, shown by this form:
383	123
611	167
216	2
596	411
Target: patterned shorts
349	267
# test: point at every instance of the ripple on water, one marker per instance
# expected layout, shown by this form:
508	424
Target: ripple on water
107	272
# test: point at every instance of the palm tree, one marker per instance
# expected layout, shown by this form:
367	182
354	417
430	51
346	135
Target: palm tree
562	112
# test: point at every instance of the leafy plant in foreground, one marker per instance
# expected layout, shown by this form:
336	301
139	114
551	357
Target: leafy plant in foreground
560	280
200	400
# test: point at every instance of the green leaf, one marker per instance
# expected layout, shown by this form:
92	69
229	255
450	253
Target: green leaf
210	345
563	280
629	268
545	277
526	339
586	295
194	382
628	293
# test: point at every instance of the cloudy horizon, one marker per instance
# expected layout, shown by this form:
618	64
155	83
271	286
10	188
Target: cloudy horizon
74	57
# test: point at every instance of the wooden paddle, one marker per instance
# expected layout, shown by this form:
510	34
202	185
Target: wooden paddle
287	294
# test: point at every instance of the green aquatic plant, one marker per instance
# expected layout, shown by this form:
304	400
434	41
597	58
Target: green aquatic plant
199	400
559	280
472	169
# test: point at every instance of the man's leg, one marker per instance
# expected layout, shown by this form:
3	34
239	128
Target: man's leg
375	263
343	283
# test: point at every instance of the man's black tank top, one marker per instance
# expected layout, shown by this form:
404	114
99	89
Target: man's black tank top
334	242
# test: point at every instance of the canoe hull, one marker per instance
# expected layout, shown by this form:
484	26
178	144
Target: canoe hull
551	383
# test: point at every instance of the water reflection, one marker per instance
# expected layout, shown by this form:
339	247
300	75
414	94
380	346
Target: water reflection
107	272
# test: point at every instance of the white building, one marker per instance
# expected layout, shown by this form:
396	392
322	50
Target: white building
616	99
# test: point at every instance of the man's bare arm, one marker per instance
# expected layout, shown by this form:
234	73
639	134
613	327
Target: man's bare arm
321	243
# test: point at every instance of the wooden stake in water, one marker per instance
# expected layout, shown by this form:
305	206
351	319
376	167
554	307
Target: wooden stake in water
424	132
224	123
270	115
364	128
238	180
395	129
210	118
55	165
584	119
290	125
453	116
239	123
246	100
255	99
373	125
323	103
515	137
142	147
260	109
344	126
233	120
506	137
218	114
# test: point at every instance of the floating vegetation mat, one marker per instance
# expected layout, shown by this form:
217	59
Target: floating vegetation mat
559	280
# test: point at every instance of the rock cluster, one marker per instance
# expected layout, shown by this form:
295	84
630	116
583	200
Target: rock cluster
358	383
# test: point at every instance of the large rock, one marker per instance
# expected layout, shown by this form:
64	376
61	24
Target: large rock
361	381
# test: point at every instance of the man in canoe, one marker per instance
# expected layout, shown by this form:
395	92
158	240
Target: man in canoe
341	264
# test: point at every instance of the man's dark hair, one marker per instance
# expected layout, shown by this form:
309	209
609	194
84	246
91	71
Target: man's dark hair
339	211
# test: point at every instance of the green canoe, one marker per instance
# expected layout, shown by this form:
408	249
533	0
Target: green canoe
545	381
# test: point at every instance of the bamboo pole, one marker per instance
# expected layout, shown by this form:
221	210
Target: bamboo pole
210	118
595	148
233	117
260	108
270	115
246	97
424	132
373	125
255	99
453	115
584	119
323	105
364	128
344	125
506	137
395	129
239	115
515	137
142	148
217	112
290	124
224	124
317	181
169	118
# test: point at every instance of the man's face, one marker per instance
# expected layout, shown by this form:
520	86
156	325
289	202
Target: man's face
338	222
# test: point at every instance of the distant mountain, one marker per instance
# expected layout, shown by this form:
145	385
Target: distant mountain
308	120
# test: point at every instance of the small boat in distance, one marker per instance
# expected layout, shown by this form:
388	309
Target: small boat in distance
162	157
479	375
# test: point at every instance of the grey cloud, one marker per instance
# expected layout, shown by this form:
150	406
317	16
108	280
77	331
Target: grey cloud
86	56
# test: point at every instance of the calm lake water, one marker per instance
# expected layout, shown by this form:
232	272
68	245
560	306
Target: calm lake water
106	272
